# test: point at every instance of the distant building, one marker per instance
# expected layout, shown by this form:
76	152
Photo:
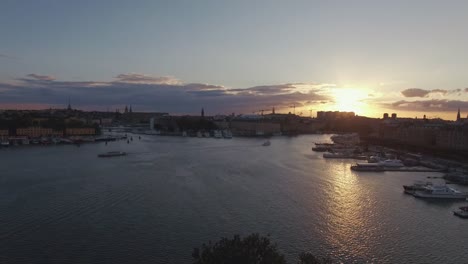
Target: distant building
82	131
34	132
334	115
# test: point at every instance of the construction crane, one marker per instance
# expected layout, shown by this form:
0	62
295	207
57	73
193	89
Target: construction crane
311	110
261	111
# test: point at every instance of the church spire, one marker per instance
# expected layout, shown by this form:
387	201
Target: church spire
458	115
69	105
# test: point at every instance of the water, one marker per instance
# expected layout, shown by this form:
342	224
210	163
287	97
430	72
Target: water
62	204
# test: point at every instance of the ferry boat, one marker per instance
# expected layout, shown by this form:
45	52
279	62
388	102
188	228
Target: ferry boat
416	186
439	192
112	154
461	212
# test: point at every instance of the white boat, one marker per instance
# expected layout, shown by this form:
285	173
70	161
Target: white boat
416	186
266	143
391	163
206	134
439	192
199	134
218	134
5	143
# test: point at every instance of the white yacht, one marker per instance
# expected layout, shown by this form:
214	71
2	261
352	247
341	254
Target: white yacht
439	192
218	134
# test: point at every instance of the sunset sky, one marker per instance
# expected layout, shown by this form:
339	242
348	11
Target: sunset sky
370	57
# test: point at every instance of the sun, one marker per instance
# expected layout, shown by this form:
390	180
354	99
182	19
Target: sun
350	100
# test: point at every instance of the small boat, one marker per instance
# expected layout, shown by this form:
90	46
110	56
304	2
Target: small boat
416	186
461	212
266	143
112	154
439	192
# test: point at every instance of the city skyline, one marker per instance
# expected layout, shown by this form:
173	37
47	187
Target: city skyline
240	57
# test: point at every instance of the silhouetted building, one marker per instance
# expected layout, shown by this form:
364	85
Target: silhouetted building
385	116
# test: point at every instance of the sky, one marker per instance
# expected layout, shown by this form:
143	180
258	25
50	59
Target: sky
370	57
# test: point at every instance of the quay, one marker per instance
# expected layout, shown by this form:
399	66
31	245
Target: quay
377	168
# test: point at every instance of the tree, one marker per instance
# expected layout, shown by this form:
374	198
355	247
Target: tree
253	249
308	258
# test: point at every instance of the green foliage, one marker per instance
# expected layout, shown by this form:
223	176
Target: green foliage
253	249
308	258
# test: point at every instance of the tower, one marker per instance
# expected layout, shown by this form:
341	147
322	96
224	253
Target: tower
202	112
130	110
273	110
126	110
458	115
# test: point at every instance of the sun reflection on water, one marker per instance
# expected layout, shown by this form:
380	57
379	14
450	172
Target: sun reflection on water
349	227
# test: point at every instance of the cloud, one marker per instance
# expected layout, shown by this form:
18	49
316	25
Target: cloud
148	93
417	92
141	78
41	77
433	105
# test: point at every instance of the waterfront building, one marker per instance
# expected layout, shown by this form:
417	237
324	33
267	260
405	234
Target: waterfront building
82	131
34	132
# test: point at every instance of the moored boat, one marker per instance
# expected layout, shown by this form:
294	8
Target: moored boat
416	186
394	163
367	167
266	143
112	154
439	192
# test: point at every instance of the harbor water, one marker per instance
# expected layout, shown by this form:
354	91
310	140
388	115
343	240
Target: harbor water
63	204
